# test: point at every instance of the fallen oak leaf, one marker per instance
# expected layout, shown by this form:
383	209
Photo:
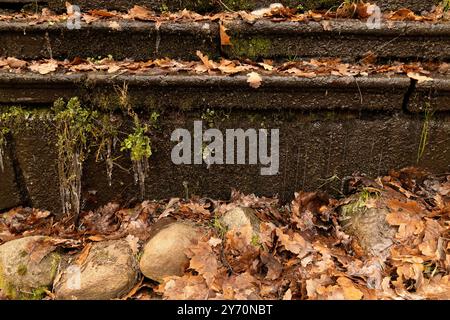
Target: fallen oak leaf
247	17
187	287
209	64
213	242
404	14
44	68
84	254
254	79
224	37
351	292
204	261
37	250
133	242
294	243
89	19
113	69
140	13
362	9
418	77
326	25
266	66
15	63
96	238
301	73
102	13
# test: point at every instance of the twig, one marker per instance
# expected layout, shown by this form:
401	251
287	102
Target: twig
226	7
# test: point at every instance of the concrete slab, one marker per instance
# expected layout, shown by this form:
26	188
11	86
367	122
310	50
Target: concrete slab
347	39
9	192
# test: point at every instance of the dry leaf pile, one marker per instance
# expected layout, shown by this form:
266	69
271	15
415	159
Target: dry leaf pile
276	13
302	251
420	71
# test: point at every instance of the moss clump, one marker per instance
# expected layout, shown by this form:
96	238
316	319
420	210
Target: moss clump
14	292
14	119
256	241
359	205
239	4
37	294
187	103
137	142
321	4
56	259
220	228
6	288
446	5
10	119
22	270
257	47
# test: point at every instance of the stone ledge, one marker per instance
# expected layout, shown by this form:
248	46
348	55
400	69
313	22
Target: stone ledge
347	39
195	91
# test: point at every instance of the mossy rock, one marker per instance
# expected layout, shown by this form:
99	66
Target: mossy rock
20	276
241	217
364	218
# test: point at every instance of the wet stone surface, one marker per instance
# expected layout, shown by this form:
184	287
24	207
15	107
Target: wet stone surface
313	147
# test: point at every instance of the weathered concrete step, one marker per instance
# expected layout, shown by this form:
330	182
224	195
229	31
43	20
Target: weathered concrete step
348	39
187	91
329	127
372	93
135	40
214	5
317	149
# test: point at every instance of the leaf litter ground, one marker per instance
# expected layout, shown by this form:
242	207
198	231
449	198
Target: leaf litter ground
304	250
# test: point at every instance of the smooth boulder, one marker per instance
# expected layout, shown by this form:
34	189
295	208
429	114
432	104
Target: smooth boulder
164	254
109	271
364	218
239	217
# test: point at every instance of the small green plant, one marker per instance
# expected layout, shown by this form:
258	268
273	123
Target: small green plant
154	116
11	119
209	116
38	294
74	125
220	228
22	270
139	146
138	143
100	59
424	135
164	8
300	7
368	193
256	242
446	5
359	203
